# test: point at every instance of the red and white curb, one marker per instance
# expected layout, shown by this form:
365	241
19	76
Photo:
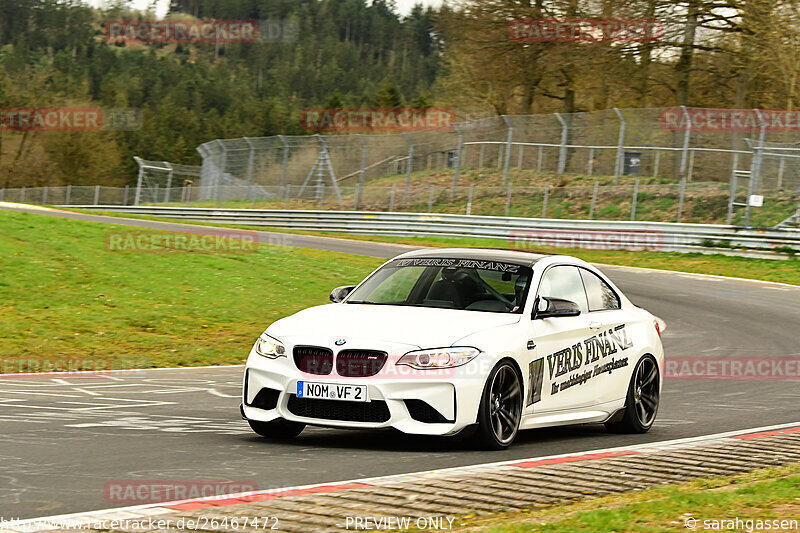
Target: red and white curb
144	512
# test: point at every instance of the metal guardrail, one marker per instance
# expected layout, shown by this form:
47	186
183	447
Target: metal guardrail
518	232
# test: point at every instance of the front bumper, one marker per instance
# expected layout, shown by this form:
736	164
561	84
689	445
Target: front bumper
430	402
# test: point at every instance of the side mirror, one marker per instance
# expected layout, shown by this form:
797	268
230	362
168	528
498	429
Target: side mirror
555	307
340	293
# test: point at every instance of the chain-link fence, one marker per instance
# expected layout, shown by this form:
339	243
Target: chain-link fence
654	164
612	142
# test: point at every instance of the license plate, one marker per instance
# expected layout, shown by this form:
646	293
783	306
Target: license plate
332	391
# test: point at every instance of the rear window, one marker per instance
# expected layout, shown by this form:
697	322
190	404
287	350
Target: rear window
600	295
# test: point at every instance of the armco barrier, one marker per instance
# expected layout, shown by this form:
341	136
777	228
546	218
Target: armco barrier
518	232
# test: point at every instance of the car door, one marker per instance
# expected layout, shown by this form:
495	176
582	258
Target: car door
556	361
608	347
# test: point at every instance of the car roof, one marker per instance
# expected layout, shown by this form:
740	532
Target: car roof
519	257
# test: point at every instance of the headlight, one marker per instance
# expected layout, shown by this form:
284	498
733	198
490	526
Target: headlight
439	358
270	347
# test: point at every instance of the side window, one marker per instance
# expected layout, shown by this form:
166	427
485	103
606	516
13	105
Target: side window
564	282
601	297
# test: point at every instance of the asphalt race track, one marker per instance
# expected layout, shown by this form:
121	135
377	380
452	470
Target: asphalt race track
64	439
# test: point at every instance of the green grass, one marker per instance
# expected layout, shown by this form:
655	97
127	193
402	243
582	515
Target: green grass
767	494
62	295
569	197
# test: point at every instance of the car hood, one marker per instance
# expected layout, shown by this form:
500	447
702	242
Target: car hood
415	326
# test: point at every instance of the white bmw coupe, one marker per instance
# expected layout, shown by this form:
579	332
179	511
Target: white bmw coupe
436	341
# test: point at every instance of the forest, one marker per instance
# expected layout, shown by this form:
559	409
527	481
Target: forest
364	54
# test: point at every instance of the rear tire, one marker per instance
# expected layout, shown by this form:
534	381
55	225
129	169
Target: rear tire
277	429
500	410
641	402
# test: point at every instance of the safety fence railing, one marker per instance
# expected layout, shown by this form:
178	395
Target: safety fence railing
519	233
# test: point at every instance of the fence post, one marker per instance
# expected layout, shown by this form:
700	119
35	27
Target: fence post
139	179
22	194
562	150
469	198
285	162
480	155
391	198
544	201
508	200
594	200
408	167
362	172
221	171
188	194
430	199
680	199
250	161
169	183
591	161
780	174
356	196
691	165
519	157
733	187
755	166
686	135
539	160
44	195
508	149
2	194
69	193
655	164
635	199
458	156
620	145
96	194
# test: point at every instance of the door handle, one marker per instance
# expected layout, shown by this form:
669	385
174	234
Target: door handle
595	325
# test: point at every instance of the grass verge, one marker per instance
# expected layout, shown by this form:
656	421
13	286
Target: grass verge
767	495
63	295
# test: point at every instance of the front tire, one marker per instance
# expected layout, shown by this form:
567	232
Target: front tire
277	429
500	410
641	402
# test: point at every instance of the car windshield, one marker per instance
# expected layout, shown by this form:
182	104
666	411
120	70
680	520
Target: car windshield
473	285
